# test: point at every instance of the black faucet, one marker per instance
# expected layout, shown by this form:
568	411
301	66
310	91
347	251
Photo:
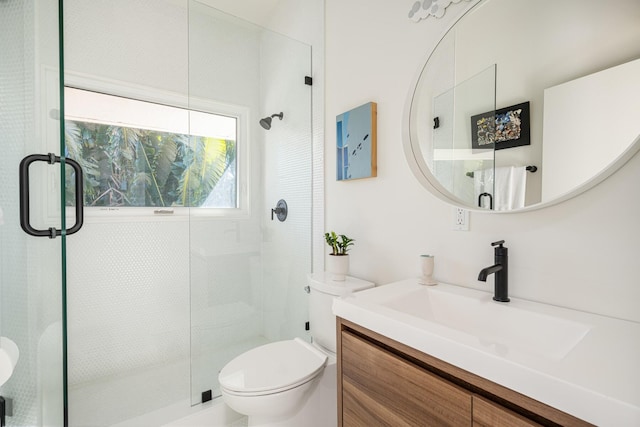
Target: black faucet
501	269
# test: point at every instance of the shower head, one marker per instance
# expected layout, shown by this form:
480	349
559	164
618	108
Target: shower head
266	122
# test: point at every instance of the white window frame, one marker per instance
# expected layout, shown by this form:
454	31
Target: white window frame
99	214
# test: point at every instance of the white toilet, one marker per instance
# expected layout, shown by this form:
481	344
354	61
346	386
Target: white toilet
292	383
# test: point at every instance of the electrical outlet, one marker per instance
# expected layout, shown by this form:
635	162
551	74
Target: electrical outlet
460	219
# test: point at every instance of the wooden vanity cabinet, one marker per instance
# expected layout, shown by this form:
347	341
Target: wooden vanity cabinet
384	383
489	414
378	386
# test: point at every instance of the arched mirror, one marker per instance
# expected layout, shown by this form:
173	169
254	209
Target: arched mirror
524	104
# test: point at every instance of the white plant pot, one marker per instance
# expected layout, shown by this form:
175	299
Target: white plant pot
338	267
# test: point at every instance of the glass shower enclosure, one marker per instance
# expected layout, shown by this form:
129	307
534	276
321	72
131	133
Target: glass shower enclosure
463	155
179	265
32	273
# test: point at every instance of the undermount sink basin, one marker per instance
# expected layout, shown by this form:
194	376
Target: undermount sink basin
503	327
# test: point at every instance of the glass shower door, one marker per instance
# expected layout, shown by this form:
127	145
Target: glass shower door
248	268
31	268
463	155
167	280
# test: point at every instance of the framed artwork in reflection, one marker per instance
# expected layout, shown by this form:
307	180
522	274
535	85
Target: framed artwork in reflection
505	128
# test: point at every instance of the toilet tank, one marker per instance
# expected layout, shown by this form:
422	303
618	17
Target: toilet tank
322	321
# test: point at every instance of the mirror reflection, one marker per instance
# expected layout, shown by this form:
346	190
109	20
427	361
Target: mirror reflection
523	104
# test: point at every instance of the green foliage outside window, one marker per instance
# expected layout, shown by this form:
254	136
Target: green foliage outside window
139	167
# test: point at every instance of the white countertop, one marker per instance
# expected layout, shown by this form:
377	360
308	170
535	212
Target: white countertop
597	380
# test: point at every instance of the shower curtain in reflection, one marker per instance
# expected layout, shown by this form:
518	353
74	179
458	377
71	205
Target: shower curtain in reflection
158	298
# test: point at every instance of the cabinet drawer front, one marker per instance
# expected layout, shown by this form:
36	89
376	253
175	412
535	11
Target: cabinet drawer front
489	414
379	385
360	409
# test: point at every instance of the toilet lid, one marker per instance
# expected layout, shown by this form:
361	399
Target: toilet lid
273	367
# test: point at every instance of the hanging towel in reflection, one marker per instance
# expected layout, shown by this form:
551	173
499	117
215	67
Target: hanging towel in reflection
507	185
483	184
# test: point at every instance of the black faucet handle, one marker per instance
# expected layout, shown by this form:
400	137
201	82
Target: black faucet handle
499	250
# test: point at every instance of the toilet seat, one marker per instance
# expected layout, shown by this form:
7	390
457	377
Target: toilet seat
272	368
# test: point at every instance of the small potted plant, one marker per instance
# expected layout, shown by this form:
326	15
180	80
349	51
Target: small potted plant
338	261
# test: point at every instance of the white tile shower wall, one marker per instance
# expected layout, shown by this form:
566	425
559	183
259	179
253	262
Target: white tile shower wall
133	313
223	255
304	21
580	254
128	298
226	312
224	58
142	42
128	282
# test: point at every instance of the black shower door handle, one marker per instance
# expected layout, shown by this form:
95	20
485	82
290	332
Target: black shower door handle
25	221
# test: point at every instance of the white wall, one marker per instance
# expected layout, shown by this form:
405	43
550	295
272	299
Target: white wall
598	111
581	254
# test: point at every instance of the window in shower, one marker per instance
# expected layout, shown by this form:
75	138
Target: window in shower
143	154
